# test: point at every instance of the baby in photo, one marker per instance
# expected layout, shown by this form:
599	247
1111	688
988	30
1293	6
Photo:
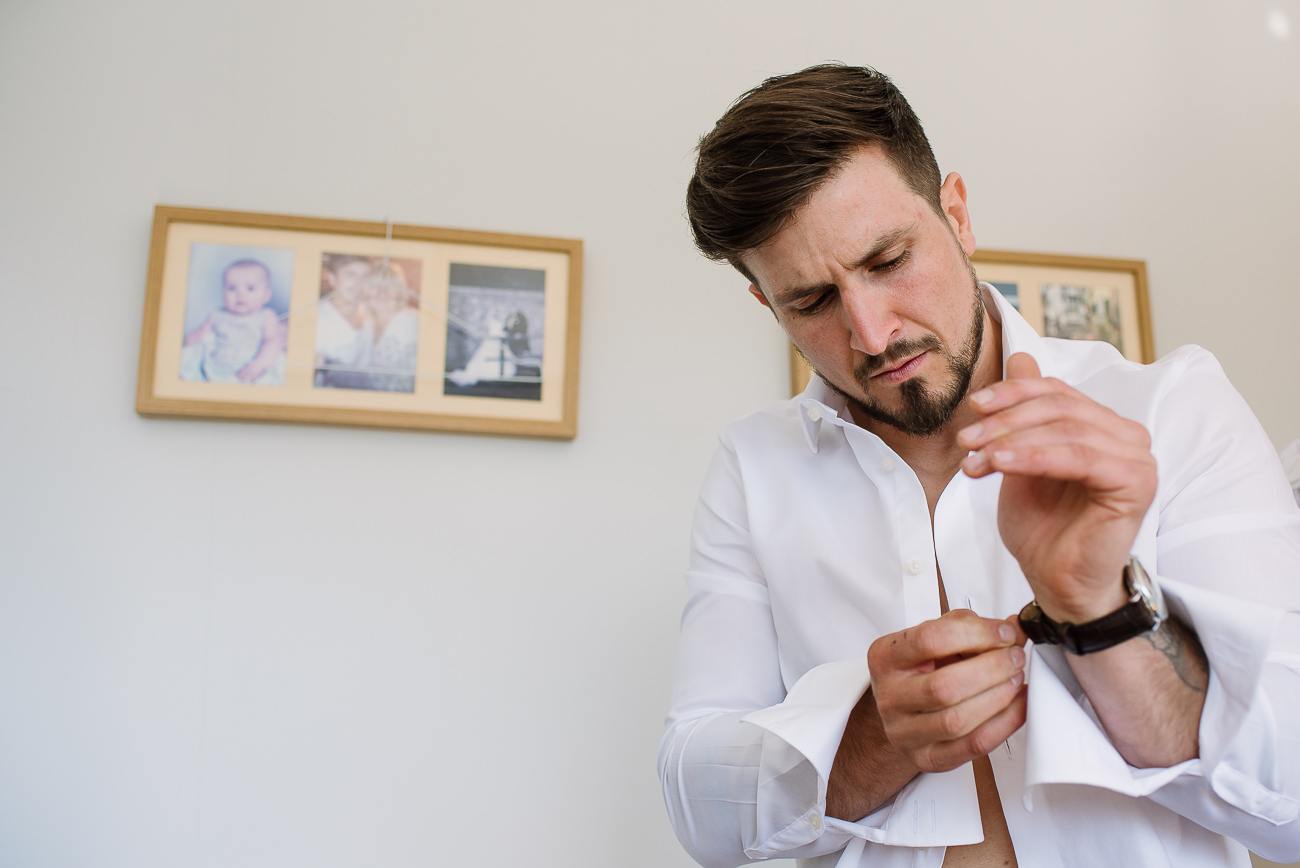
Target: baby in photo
244	341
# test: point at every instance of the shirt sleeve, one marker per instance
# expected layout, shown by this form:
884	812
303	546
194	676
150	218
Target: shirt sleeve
744	763
735	792
1227	553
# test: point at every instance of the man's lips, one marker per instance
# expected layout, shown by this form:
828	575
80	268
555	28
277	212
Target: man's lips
902	372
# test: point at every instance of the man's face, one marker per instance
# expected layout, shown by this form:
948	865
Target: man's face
246	289
873	287
347	279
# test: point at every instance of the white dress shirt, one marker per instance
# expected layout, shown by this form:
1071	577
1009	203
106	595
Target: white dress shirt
812	538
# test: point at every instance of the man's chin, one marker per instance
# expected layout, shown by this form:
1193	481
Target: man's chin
912	408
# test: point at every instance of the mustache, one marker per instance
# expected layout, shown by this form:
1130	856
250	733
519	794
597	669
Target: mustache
896	352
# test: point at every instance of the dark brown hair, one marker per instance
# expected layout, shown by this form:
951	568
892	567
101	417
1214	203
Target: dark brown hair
779	142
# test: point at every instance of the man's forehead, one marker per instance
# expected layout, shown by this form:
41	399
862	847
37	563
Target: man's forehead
805	261
855	215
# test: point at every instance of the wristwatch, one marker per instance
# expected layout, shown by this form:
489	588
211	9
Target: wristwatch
1144	612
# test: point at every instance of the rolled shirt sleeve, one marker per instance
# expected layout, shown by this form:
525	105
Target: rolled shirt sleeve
1226	526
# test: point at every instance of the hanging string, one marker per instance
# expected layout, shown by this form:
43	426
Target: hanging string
388	245
473	329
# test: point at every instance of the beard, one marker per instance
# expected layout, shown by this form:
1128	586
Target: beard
925	409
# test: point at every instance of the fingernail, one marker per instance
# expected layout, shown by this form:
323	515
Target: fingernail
974	462
1006	456
1017	679
1017	656
1006	634
983	396
971	433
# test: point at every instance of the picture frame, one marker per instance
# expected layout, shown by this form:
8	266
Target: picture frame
1079	297
279	318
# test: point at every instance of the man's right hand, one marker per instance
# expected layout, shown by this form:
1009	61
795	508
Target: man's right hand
949	690
942	693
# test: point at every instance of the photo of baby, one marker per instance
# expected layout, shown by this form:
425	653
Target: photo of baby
367	323
236	314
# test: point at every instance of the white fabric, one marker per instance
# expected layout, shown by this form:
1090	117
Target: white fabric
395	352
232	341
1291	466
812	538
338	342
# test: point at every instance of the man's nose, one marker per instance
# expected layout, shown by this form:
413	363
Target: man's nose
871	319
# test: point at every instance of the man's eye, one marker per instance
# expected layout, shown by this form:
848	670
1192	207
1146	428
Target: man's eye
894	264
815	305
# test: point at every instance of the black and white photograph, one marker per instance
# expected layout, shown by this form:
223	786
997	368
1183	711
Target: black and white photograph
367	323
236	314
360	323
1089	313
495	328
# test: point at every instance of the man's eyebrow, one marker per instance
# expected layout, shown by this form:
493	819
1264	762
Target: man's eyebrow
883	243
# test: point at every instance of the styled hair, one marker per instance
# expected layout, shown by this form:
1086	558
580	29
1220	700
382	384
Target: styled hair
781	141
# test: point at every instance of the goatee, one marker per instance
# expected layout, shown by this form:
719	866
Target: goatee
925	410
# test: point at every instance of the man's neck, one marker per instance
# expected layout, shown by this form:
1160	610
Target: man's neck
936	458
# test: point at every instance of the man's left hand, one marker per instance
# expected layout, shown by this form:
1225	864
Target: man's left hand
1077	481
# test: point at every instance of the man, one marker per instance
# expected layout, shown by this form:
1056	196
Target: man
851	684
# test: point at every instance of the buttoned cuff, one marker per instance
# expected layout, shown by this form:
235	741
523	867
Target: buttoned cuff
802	736
1066	744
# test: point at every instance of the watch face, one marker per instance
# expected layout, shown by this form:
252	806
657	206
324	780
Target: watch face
1145	590
1036	626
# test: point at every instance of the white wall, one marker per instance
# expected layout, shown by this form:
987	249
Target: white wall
264	645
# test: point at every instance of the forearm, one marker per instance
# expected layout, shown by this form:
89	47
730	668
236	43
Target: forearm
868	770
1148	693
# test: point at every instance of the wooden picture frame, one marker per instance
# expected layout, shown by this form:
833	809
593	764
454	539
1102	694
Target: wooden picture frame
276	318
1080	297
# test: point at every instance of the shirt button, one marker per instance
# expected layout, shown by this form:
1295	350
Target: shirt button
816	821
887	464
915	567
814	415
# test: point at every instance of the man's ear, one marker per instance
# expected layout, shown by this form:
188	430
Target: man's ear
758	294
952	197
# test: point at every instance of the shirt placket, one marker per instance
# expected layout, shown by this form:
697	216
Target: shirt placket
901	491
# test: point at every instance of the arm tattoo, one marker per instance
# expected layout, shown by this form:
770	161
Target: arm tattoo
1183	649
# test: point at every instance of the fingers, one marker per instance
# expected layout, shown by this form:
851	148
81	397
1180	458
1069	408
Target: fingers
1101	472
1021	366
959	633
946	687
1042	427
1034	403
961	690
1068	451
942	756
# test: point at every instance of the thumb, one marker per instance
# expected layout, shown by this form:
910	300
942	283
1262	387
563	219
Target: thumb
1021	366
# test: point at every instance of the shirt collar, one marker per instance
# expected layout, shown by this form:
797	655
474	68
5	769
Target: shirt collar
819	402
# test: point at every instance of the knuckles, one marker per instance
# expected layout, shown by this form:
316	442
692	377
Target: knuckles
951	723
943	689
880	655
